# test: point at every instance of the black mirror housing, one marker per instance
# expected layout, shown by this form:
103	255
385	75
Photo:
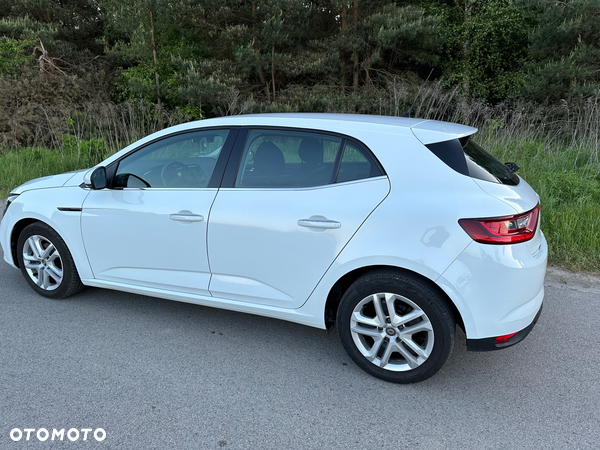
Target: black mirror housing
98	179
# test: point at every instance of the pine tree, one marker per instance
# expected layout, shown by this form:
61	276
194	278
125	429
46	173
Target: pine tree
564	49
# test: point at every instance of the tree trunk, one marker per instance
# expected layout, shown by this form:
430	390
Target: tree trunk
356	60
343	59
273	69
261	74
466	18
367	74
155	55
466	43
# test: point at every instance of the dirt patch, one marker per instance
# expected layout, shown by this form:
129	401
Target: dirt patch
583	282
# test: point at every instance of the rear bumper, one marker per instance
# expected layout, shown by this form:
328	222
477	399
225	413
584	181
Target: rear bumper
497	289
489	344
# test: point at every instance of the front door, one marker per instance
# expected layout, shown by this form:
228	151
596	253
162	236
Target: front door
149	228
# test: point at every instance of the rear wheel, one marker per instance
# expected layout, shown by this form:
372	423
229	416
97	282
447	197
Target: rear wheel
396	327
46	262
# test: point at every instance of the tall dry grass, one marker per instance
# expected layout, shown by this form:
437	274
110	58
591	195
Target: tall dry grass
117	125
573	124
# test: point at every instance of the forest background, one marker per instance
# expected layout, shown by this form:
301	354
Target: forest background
80	79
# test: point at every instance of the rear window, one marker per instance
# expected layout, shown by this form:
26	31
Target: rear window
470	159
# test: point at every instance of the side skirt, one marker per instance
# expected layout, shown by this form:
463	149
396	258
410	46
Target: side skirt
291	315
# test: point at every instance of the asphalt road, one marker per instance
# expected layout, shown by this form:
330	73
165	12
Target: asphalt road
156	374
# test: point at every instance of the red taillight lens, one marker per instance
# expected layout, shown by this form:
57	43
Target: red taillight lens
504	339
503	230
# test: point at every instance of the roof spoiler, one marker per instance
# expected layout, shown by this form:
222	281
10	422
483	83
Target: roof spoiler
432	131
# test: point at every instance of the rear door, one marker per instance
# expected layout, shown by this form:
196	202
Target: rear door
290	202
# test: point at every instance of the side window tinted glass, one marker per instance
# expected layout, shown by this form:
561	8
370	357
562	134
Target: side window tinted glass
182	161
485	166
287	159
468	158
356	165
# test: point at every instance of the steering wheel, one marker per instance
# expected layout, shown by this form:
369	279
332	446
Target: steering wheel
176	174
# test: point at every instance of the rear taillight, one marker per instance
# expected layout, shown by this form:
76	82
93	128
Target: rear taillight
503	230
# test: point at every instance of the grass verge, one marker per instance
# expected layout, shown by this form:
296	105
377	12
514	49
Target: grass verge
19	166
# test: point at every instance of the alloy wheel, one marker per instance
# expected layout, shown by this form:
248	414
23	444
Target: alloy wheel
392	332
42	262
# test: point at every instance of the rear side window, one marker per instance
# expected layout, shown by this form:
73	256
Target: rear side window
356	164
288	159
470	159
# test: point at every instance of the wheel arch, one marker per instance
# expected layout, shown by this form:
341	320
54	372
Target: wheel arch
16	232
339	288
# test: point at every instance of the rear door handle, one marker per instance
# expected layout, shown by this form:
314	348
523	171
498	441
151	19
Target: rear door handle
186	217
319	223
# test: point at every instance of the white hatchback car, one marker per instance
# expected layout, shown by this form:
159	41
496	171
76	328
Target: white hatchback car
392	229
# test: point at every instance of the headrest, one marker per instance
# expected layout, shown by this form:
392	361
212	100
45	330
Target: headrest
311	151
268	159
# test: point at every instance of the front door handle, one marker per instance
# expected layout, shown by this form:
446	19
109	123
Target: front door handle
319	223
186	217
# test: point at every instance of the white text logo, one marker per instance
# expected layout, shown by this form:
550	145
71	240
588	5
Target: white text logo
73	434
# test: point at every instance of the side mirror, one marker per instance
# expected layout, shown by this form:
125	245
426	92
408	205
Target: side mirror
98	178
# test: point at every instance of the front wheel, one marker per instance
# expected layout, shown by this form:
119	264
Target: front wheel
46	262
396	327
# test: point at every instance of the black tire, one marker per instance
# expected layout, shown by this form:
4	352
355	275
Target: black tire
59	260
408	295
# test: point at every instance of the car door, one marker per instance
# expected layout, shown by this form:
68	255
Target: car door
291	200
149	227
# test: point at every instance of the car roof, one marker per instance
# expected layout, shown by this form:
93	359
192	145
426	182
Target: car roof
354	118
426	130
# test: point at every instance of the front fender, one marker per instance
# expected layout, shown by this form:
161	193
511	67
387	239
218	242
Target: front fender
43	205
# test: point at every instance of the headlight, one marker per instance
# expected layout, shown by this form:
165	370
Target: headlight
8	201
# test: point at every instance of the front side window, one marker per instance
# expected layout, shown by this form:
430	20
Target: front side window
181	161
287	159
